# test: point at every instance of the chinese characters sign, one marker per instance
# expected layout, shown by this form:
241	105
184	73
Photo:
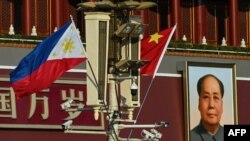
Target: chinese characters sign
43	110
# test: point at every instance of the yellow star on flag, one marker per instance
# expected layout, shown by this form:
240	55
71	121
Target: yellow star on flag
54	54
72	28
68	45
155	37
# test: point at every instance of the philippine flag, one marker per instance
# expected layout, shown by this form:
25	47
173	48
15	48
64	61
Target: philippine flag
58	53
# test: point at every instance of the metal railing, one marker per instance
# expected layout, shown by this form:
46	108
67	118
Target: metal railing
208	51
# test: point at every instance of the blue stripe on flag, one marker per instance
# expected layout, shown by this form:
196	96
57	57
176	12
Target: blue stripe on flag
38	56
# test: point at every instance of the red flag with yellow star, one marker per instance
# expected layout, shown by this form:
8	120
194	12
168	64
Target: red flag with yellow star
153	48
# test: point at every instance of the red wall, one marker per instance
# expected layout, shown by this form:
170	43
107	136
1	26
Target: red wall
243	90
164	102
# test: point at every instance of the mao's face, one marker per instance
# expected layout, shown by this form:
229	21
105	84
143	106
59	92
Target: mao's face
210	102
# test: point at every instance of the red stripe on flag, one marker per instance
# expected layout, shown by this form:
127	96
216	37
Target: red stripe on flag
44	76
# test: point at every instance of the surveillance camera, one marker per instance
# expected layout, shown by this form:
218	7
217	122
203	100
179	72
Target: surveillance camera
66	104
164	124
134	88
157	134
148	135
66	125
116	114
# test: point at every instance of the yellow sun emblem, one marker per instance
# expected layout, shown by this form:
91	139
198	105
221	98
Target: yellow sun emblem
68	45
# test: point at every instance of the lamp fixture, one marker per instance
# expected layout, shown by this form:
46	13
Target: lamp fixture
107	4
125	65
128	4
145	5
138	29
130	29
124	30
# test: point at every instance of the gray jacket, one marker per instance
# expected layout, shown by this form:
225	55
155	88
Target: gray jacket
199	133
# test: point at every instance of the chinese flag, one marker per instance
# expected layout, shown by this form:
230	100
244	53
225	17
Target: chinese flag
153	49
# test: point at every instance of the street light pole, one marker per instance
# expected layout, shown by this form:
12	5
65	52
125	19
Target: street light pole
113	49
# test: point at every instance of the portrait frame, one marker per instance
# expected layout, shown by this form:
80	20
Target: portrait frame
226	72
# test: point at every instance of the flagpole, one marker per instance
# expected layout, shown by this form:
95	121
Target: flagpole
164	50
146	95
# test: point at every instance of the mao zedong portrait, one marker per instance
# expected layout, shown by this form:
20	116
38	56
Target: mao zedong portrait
211	91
